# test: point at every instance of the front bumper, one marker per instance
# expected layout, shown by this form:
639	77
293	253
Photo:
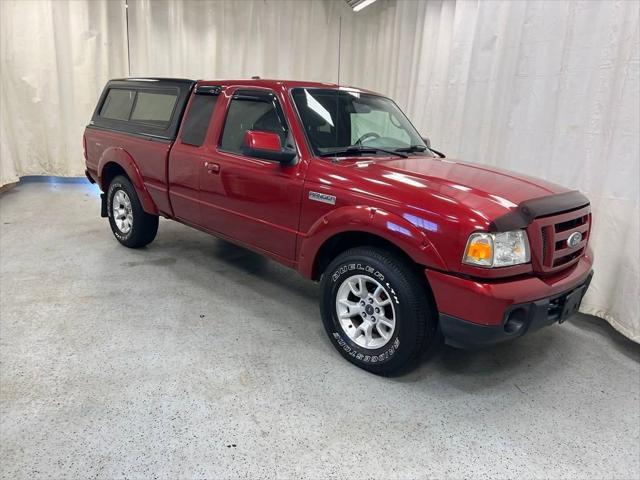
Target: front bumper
475	314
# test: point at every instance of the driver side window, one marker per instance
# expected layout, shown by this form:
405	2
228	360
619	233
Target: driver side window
376	121
251	113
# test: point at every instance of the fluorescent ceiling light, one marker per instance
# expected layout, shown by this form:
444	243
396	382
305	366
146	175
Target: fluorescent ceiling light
359	5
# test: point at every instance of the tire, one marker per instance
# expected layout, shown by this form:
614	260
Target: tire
372	344
130	224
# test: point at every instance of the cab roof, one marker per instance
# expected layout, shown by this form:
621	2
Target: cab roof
276	83
273	84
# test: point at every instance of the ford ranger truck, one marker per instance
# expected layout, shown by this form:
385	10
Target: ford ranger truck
409	247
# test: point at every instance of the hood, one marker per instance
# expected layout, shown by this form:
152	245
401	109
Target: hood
487	191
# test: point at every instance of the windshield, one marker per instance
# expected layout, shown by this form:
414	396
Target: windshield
335	120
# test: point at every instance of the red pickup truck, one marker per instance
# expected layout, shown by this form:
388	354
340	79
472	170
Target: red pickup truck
409	247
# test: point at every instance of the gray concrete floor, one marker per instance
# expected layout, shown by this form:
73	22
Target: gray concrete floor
193	358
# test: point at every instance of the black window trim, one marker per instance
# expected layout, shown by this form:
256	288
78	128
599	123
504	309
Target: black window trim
266	95
181	87
136	91
147	136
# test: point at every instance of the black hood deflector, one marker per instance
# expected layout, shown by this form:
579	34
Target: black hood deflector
527	211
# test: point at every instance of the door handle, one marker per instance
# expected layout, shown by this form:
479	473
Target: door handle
212	167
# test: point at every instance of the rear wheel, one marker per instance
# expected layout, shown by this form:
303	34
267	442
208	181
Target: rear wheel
130	224
376	311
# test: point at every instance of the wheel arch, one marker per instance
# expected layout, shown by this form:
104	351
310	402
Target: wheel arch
343	241
116	161
109	172
349	227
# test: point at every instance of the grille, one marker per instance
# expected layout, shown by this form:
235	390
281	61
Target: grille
548	236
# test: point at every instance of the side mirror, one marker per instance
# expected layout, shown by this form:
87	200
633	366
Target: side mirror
267	145
427	142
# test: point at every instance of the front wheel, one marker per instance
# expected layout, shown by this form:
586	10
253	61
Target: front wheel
376	311
130	224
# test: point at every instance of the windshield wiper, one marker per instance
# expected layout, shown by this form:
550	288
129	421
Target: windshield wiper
412	149
420	149
354	150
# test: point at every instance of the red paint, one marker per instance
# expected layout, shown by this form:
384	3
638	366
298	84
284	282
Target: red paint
484	302
425	206
544	227
143	161
262	141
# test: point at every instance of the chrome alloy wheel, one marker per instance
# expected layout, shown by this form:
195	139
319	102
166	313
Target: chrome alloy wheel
366	312
122	211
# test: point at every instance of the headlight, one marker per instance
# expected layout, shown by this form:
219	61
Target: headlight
497	249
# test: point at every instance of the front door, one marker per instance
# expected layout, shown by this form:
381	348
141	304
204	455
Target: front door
252	200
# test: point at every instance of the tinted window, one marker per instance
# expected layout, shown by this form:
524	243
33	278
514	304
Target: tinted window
117	105
335	119
154	108
379	122
245	114
197	119
151	107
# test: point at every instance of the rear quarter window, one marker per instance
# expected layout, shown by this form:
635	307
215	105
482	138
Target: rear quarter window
197	120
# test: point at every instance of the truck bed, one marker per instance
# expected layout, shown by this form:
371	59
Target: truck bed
142	139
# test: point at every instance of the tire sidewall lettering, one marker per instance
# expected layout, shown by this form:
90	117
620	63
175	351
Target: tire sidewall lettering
351	267
344	343
379	358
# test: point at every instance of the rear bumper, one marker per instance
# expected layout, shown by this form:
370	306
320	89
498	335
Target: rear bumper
475	314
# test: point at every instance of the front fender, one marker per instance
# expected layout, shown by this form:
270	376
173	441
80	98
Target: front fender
393	228
120	157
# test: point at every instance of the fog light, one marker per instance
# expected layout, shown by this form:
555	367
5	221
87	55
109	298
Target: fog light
515	321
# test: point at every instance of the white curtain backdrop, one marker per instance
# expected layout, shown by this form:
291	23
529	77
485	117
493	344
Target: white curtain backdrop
55	57
548	88
235	39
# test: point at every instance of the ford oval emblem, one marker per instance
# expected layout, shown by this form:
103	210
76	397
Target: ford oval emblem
574	239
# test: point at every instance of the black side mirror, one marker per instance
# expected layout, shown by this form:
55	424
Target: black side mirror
284	156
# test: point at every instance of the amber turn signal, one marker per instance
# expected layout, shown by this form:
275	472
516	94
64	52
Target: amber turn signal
500	249
479	250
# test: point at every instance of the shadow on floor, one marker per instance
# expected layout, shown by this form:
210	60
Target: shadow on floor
494	365
589	323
